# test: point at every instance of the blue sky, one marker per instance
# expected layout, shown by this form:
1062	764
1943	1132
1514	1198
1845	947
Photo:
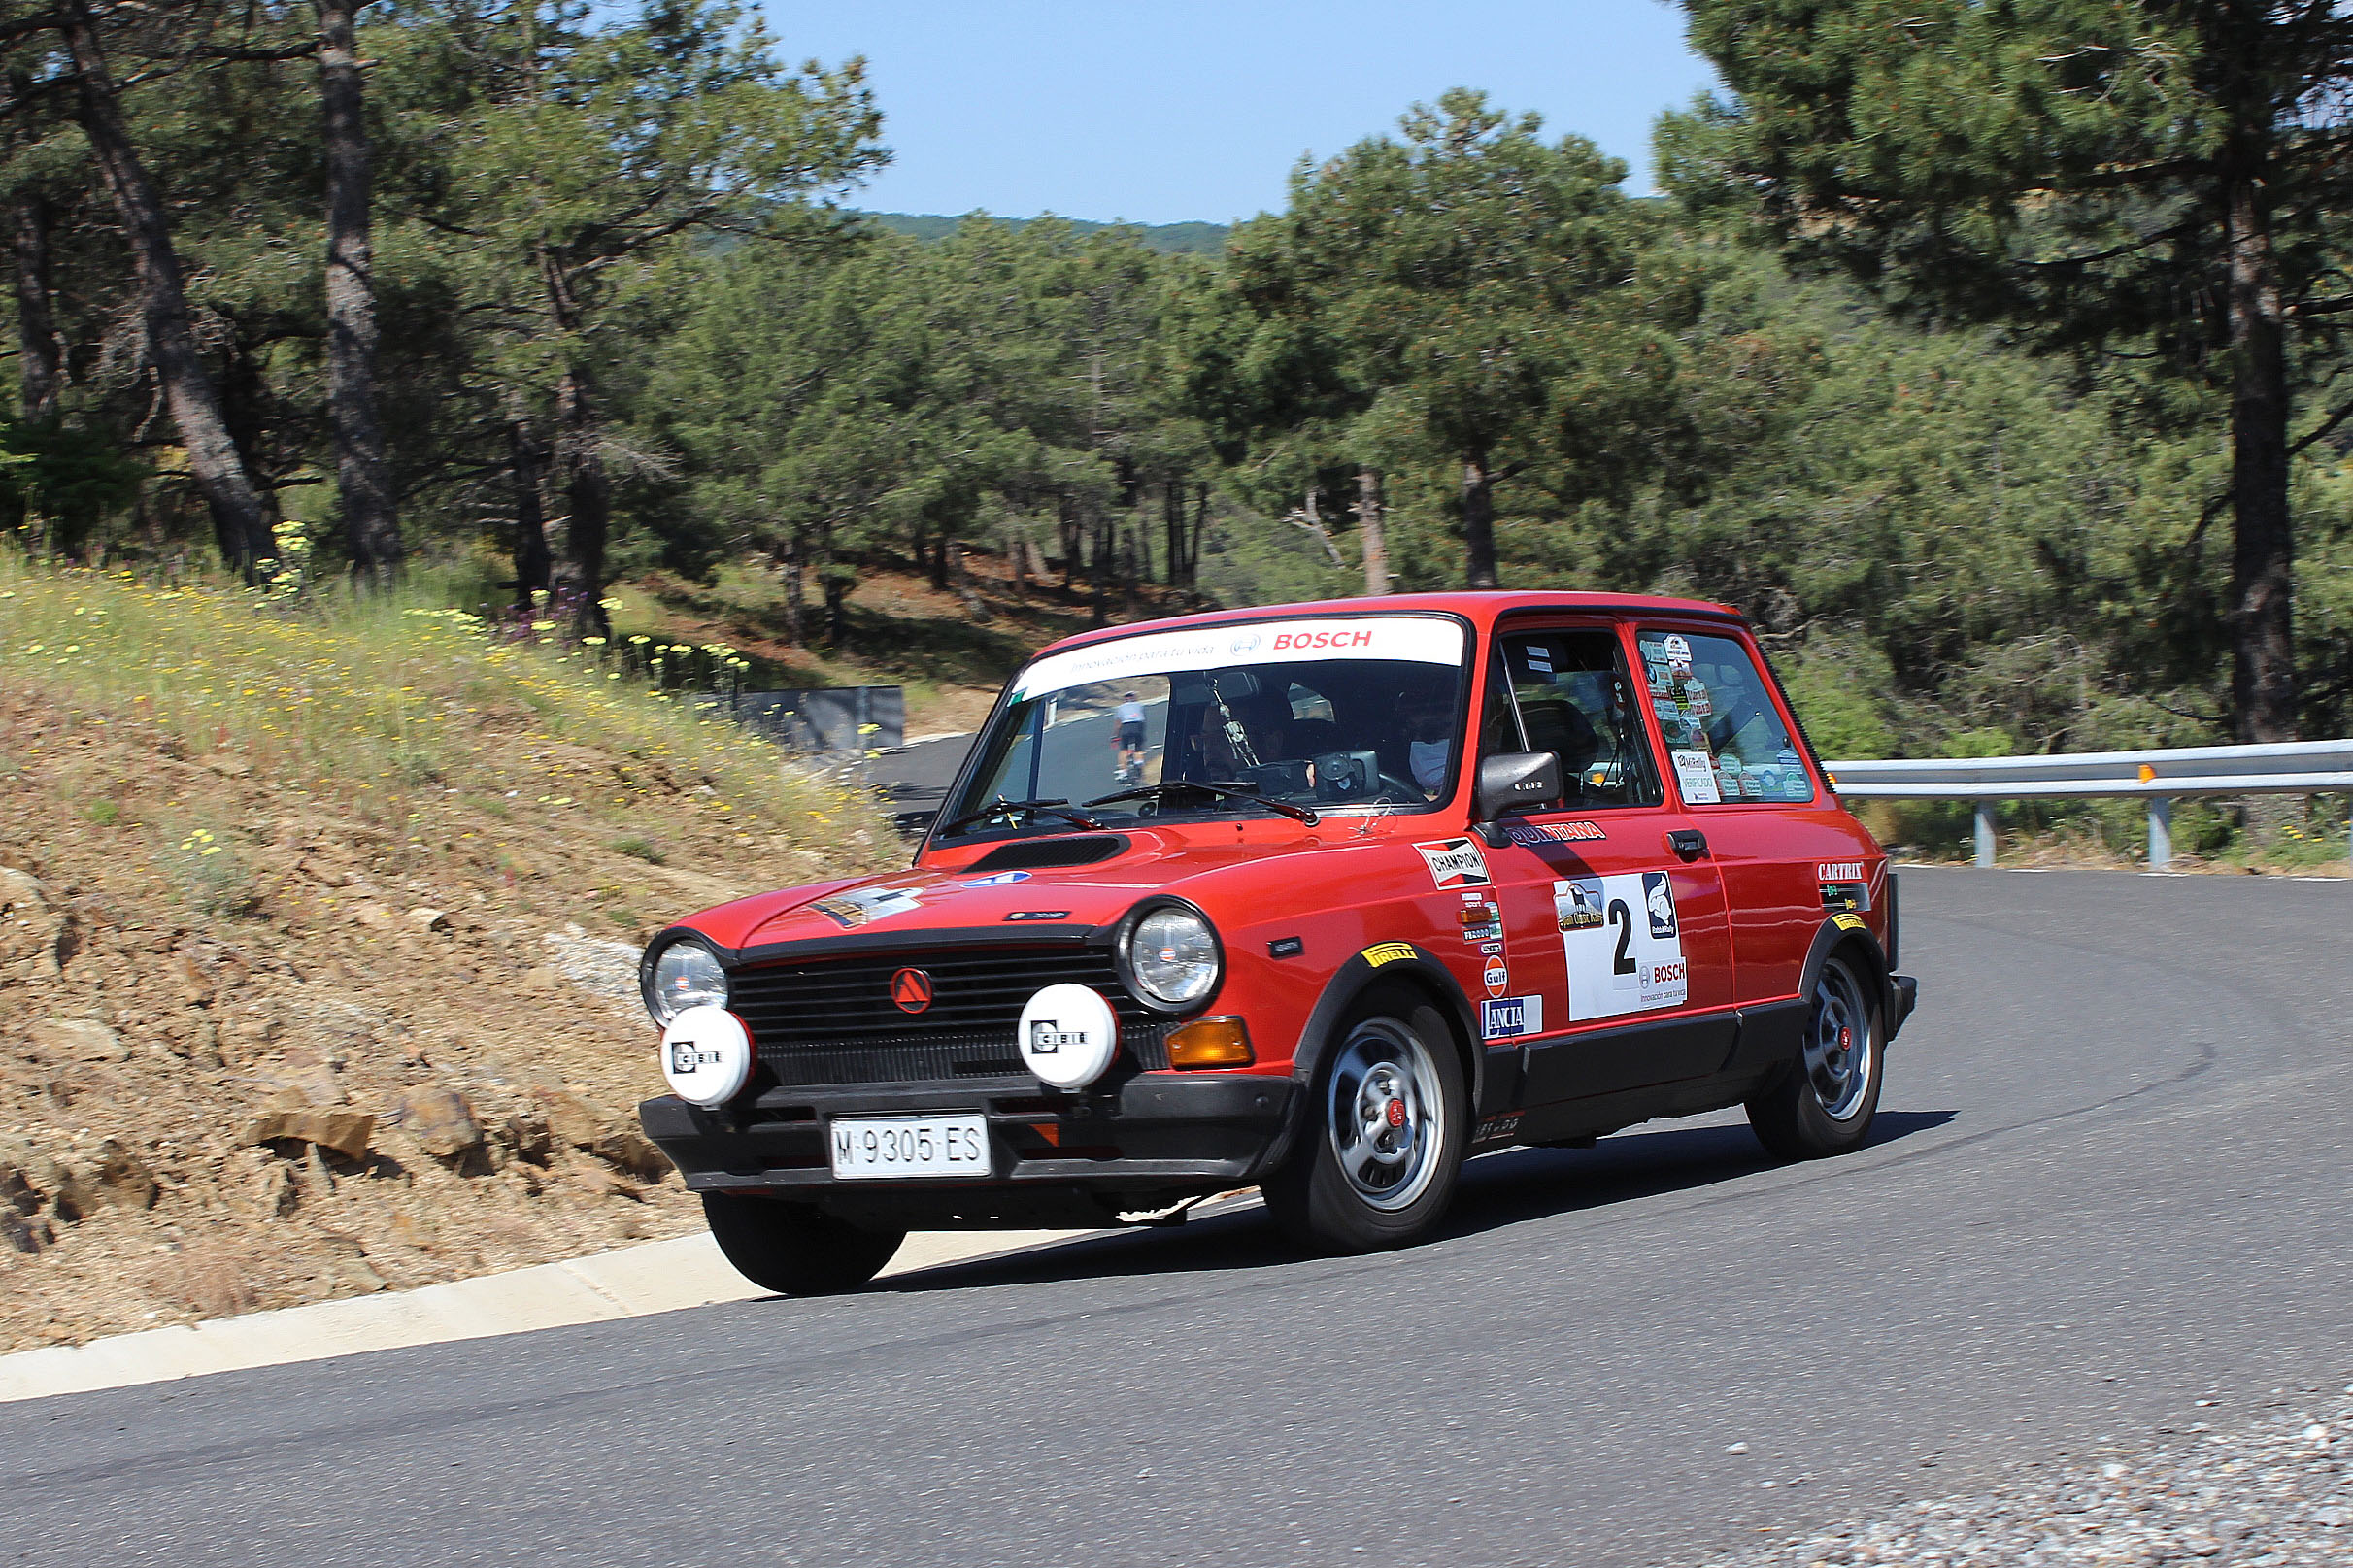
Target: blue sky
1161	111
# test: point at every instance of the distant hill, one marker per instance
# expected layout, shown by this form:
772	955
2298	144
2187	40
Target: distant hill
1169	239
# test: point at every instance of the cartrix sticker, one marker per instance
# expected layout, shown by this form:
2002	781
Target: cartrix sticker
1454	863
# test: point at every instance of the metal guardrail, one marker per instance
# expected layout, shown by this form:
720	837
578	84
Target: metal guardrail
2291	768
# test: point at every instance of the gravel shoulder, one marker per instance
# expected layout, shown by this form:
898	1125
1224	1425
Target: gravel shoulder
2275	1488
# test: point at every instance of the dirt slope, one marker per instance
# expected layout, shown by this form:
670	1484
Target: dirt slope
260	1045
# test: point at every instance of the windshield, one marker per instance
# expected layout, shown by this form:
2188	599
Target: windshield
1329	713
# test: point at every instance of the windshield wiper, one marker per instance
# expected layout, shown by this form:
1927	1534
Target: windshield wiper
1153	791
1029	809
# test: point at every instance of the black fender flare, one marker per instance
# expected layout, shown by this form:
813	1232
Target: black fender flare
1850	929
1378	964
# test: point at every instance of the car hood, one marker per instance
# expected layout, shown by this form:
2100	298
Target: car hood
1049	898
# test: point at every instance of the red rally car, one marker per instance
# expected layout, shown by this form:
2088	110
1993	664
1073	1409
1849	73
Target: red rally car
1323	899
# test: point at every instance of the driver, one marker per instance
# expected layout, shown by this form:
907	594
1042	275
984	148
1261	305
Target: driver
1429	718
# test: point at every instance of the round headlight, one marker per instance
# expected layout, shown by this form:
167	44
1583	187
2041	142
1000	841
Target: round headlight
685	974
1173	955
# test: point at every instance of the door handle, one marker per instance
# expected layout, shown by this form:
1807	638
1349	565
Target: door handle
1688	842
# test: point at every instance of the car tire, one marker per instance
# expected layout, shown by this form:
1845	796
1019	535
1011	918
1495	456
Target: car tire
1388	1124
795	1249
1824	1102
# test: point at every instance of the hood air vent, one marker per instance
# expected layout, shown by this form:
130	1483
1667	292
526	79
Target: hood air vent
1033	853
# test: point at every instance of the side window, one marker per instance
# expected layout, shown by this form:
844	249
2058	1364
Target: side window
1571	694
1717	715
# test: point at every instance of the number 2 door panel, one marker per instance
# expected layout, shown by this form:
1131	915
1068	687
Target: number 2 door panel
1639	962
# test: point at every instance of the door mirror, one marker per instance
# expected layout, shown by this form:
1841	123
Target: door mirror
1516	780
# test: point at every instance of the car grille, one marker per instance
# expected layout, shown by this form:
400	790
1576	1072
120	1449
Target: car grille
834	1022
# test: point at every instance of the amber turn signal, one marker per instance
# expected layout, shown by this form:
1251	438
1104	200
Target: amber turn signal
1211	1042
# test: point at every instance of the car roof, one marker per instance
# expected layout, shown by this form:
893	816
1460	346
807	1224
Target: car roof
1482	608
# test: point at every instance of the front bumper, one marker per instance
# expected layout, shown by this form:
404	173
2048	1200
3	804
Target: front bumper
1139	1143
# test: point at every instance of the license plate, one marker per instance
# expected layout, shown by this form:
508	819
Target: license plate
867	1148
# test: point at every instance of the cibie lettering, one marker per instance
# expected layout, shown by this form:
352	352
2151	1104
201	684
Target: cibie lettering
1319	639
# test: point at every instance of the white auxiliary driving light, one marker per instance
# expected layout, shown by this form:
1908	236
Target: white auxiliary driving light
706	1055
1068	1036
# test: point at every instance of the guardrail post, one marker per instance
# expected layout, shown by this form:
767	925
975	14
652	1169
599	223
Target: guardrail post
2161	832
1985	835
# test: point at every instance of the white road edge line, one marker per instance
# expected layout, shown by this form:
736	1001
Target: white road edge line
633	1282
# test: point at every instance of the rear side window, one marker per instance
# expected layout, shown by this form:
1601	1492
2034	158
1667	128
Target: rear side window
1717	716
1571	694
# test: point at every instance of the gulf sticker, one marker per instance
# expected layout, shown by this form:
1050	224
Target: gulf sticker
1386	953
1631	959
1454	863
1498	977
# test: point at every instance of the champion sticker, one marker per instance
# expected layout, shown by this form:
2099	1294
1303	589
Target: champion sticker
1507	1017
1631	958
1386	953
1498	977
1454	863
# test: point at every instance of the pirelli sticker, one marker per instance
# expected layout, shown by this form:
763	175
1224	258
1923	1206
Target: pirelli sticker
1386	953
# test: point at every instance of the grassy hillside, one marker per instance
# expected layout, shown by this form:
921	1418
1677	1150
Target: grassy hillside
351	863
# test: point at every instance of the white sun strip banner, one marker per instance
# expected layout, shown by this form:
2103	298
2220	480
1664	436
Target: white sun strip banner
1413	639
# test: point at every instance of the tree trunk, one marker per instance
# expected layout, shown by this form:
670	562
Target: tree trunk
40	369
2263	557
580	577
1371	531
1200	528
371	516
1479	519
245	512
528	463
795	553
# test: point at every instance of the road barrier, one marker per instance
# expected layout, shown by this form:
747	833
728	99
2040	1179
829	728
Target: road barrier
838	721
2291	768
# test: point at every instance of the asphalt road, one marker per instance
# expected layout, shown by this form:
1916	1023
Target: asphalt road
2111	1179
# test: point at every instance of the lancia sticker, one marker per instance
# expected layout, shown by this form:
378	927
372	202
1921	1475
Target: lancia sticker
1507	1017
1454	863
